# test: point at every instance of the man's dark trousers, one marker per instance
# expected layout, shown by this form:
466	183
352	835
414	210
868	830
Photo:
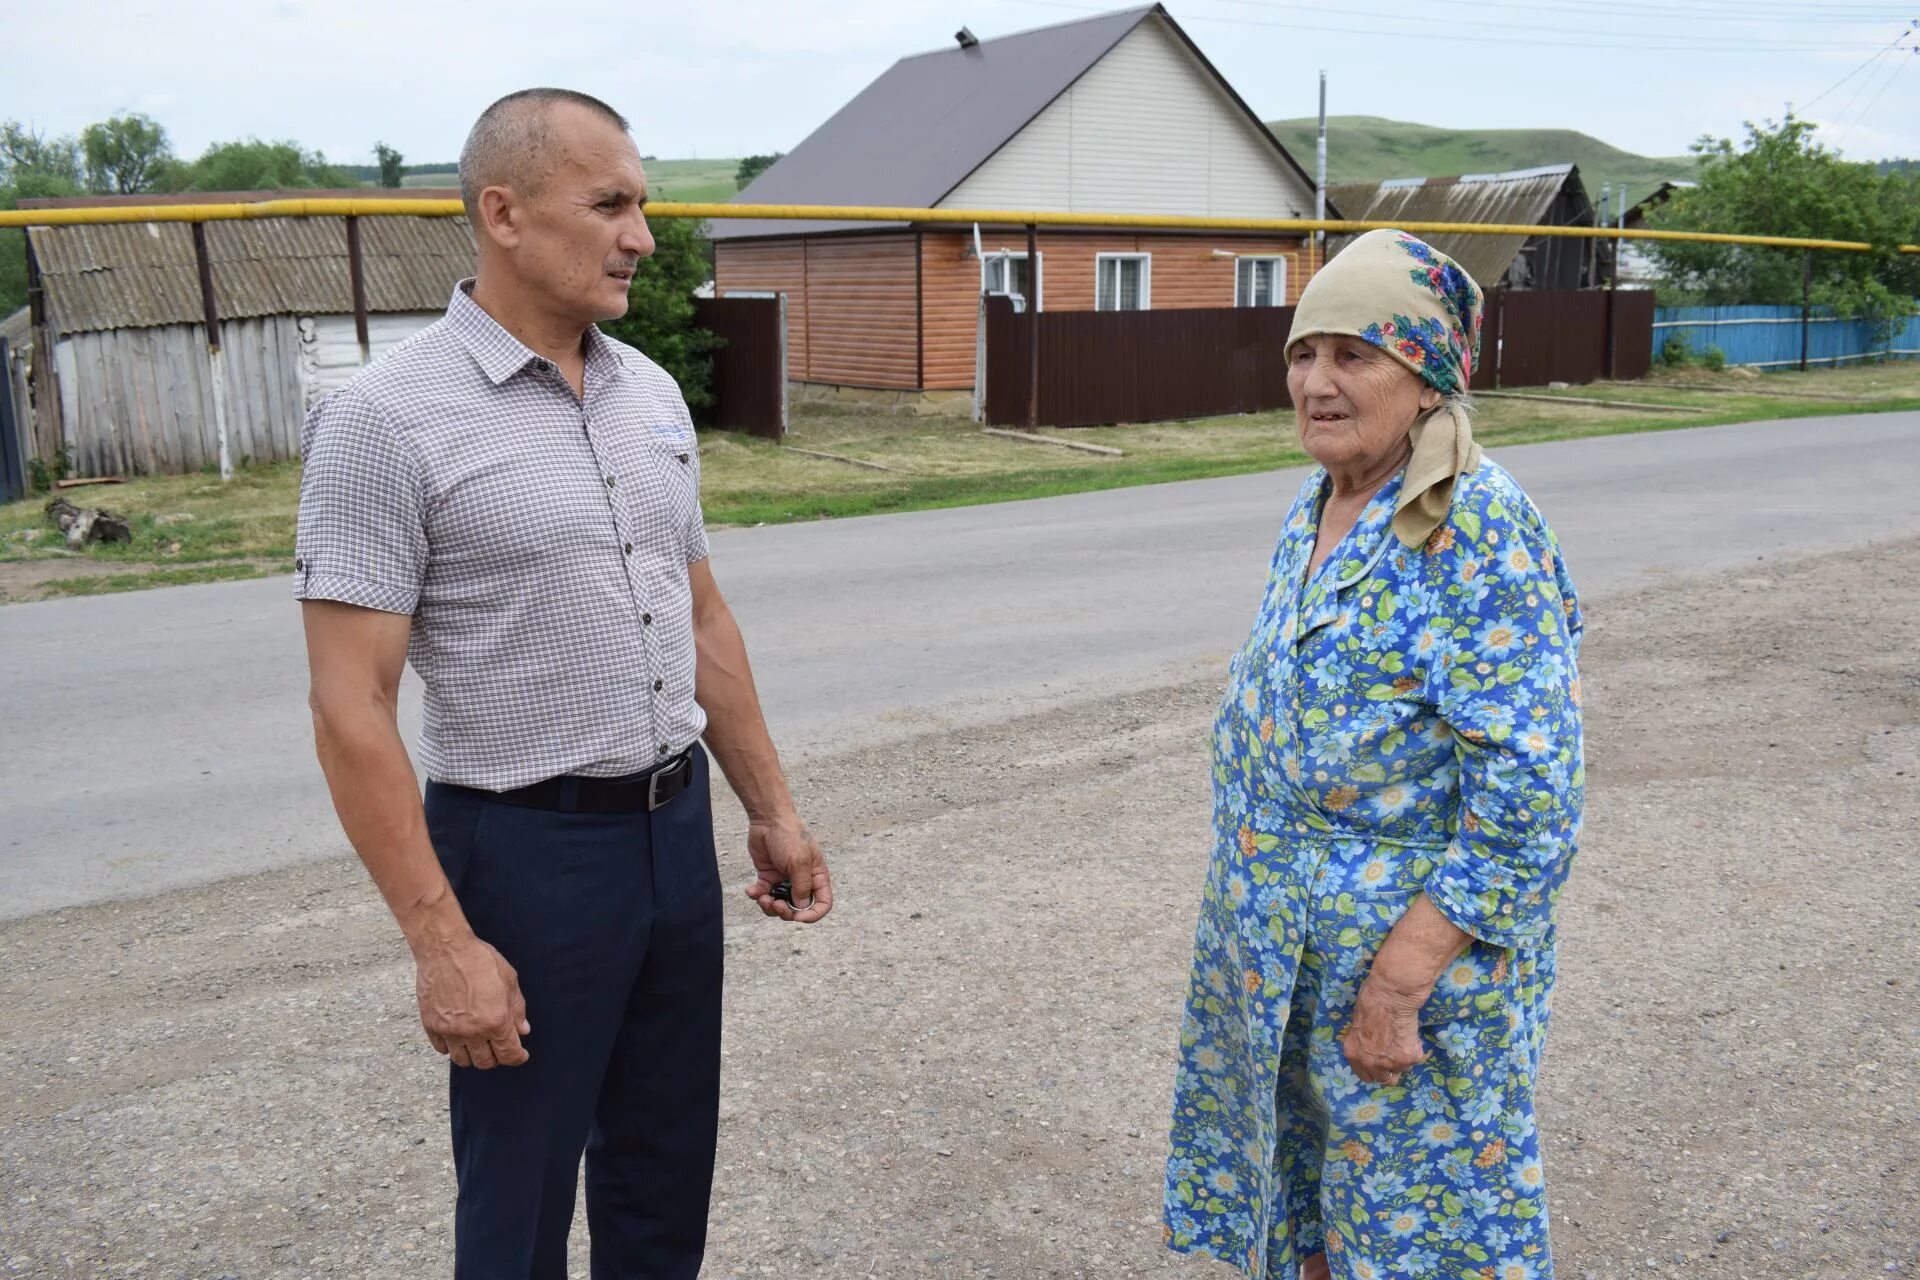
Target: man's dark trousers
613	922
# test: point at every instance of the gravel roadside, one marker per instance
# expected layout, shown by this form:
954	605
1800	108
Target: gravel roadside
966	1071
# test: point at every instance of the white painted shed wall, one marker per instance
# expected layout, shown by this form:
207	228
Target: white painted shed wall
330	353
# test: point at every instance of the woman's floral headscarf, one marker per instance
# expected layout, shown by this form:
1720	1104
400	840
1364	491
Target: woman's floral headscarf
1416	304
1405	297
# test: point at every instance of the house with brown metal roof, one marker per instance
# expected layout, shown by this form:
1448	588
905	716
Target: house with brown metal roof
121	379
1550	196
1119	113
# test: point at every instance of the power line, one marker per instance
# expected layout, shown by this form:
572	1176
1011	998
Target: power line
1895	67
1712	13
1842	113
1862	67
1794	48
1904	63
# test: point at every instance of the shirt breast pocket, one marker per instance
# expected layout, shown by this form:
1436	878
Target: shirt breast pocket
673	464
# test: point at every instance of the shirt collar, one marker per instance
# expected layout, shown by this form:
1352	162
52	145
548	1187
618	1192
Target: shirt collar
500	355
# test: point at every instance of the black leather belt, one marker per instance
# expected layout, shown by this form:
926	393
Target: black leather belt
634	793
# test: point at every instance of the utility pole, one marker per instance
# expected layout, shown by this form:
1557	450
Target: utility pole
1320	170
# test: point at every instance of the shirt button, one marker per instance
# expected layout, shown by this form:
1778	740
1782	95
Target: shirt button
646	619
300	566
658	685
609	482
627	549
663	748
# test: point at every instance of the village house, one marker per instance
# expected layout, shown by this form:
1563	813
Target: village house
1119	113
1550	196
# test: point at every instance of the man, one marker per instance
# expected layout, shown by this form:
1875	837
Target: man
511	501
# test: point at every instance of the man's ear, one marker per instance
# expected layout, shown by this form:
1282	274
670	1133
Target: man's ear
500	217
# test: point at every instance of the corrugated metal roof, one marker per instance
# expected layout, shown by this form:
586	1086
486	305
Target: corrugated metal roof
1524	196
916	133
137	275
930	120
16	330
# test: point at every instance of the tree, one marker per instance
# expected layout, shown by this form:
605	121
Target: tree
253	165
752	167
30	157
31	165
124	154
1782	181
659	319
390	167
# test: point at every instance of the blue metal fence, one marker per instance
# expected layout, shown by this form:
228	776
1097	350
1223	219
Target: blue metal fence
1769	337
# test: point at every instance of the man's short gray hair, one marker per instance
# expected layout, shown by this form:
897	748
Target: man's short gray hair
509	144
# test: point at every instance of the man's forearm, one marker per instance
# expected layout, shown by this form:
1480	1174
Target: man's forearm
378	800
736	729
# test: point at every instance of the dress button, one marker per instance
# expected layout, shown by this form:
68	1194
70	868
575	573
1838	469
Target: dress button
627	549
299	566
658	685
663	748
609	482
646	619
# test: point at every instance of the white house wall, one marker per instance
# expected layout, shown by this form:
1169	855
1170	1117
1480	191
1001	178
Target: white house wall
1146	130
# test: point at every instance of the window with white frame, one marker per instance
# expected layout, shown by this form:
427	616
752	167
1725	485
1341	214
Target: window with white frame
1260	282
1122	282
1007	273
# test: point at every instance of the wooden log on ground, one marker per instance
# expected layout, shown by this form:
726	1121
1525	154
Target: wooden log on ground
84	525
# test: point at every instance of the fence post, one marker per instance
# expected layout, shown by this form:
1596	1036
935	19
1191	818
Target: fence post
13	475
1033	326
357	275
210	311
1806	303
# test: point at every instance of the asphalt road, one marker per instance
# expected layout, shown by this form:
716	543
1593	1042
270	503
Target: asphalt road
160	739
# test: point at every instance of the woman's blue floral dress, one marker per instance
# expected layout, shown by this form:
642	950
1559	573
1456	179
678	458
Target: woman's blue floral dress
1404	721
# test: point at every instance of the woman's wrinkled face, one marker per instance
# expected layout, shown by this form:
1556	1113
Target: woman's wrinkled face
1353	403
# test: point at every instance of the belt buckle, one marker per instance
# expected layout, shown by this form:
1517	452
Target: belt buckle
653	784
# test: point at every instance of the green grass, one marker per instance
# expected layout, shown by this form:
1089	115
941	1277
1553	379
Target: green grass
177	520
1371	149
194	529
104	583
748	481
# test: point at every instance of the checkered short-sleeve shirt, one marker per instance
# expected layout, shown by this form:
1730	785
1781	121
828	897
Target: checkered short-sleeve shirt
540	542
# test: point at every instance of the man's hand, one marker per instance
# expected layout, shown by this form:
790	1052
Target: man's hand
470	1003
786	850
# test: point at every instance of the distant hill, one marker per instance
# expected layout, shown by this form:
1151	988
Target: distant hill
696	180
1371	149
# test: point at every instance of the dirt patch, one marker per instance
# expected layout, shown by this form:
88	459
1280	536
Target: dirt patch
23	579
967	1071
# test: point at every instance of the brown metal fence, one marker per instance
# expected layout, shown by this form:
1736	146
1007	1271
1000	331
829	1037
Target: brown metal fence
1632	333
1531	338
1135	366
1006	352
1099	367
750	367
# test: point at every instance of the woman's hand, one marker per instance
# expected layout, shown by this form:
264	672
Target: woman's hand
1383	1038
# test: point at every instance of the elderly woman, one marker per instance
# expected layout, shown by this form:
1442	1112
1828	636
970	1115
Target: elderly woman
1397	787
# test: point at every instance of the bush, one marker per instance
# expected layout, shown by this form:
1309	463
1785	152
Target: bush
1713	358
1674	353
659	319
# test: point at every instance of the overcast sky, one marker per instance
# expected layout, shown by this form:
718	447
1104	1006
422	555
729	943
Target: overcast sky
730	77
